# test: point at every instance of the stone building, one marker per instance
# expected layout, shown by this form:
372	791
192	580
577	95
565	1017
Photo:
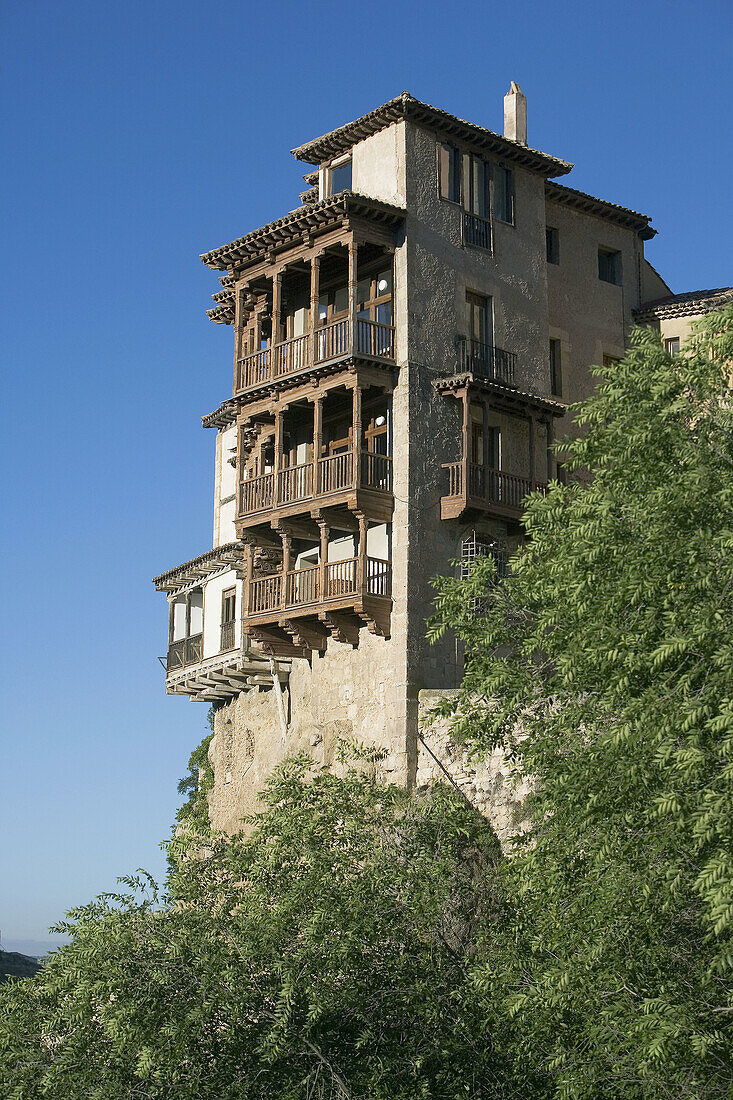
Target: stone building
406	342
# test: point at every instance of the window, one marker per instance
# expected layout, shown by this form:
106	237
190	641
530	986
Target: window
556	368
562	474
341	175
480	319
609	266
449	172
672	346
228	615
477	198
552	239
609	360
504	194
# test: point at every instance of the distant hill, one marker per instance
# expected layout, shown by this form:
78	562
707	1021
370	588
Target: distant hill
15	965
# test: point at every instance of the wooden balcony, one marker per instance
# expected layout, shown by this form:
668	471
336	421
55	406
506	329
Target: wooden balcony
471	486
306	604
327	344
314	481
185	652
227	636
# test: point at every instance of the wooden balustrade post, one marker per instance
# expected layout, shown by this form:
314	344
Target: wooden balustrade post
315	299
356	439
352	288
361	567
317	439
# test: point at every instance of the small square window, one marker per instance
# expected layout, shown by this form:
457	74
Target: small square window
552	239
672	346
609	266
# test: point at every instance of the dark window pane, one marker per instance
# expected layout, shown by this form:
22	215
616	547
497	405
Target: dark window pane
504	195
553	245
555	368
341	178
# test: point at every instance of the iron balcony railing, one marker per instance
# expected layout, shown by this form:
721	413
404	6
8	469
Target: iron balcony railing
227	636
486	361
318	584
309	480
328	342
477	231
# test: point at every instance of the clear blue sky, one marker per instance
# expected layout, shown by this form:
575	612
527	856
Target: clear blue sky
138	135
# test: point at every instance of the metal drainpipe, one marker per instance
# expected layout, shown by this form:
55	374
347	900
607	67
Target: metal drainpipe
279	696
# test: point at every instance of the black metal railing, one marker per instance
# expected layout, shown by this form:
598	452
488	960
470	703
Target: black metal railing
486	360
476	231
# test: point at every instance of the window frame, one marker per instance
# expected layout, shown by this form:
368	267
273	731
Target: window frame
613	255
552	245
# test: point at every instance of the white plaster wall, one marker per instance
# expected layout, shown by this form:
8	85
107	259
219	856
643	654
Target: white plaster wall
378	165
225	484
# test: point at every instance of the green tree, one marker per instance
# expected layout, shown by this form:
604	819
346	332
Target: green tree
604	666
325	955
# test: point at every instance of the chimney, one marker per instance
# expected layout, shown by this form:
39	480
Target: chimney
515	114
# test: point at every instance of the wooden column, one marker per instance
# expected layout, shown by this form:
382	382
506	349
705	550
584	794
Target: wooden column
486	454
352	277
277	282
466	440
248	571
317	439
315	296
278	459
356	439
287	542
550	456
361	576
532	460
324	532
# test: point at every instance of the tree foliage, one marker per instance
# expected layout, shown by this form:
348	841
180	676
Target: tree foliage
604	666
325	955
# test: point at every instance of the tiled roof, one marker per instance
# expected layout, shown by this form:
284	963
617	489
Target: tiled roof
407	107
198	568
318	215
689	302
222	417
589	204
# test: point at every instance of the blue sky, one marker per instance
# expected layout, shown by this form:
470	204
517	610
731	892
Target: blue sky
138	135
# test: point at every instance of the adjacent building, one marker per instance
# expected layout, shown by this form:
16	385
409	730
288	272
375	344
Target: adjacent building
406	342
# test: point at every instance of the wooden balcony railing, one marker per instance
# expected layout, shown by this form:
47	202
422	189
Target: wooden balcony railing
291	356
317	584
227	636
334	474
481	484
476	231
295	483
256	494
186	651
332	341
253	369
486	361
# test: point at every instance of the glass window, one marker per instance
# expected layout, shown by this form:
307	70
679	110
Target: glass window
480	318
672	346
450	172
478	179
341	177
552	238
609	266
504	194
556	368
